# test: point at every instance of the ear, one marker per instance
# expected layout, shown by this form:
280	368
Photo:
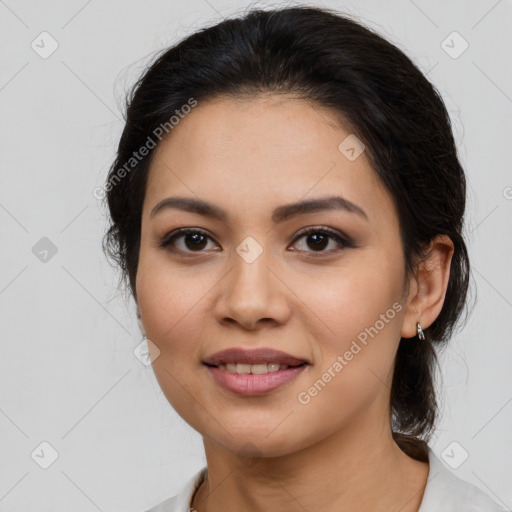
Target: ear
427	289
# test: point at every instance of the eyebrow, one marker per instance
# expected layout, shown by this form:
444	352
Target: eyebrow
279	214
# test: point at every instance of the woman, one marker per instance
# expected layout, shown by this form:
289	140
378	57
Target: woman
287	208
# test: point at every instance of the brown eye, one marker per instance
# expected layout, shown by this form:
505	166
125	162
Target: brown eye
195	241
192	240
317	239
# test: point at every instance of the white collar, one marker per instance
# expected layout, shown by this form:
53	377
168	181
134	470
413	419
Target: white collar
446	492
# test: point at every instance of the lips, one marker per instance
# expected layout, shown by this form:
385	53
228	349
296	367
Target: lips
254	372
253	356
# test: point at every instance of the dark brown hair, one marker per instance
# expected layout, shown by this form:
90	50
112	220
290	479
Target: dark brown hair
325	57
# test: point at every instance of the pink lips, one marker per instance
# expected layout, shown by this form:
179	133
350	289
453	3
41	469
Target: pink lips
253	384
253	356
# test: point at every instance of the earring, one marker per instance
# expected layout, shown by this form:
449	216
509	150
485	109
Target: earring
421	334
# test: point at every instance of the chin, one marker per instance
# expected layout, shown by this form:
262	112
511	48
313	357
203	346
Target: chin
255	444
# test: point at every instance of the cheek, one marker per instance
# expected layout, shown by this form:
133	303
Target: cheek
168	296
354	373
354	322
350	303
169	307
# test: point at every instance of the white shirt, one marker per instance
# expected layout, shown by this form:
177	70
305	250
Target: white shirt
444	492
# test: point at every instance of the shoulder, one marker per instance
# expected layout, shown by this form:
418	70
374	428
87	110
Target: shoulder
165	506
182	501
447	492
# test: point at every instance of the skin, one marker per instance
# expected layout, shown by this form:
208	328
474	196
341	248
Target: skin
271	452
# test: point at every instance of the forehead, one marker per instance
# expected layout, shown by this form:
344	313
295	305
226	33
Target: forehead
260	153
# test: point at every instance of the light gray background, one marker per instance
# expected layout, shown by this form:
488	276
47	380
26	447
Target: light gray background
68	373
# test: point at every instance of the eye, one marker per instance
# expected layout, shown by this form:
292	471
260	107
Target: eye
318	239
194	240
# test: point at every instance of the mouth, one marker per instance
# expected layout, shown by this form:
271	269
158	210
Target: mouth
253	372
254	369
253	357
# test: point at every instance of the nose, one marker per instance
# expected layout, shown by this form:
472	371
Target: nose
252	295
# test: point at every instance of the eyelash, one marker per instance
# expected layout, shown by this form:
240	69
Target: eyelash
344	241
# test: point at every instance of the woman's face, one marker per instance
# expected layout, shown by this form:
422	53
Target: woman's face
251	279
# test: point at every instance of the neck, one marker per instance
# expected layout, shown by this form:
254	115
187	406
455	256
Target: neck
357	468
